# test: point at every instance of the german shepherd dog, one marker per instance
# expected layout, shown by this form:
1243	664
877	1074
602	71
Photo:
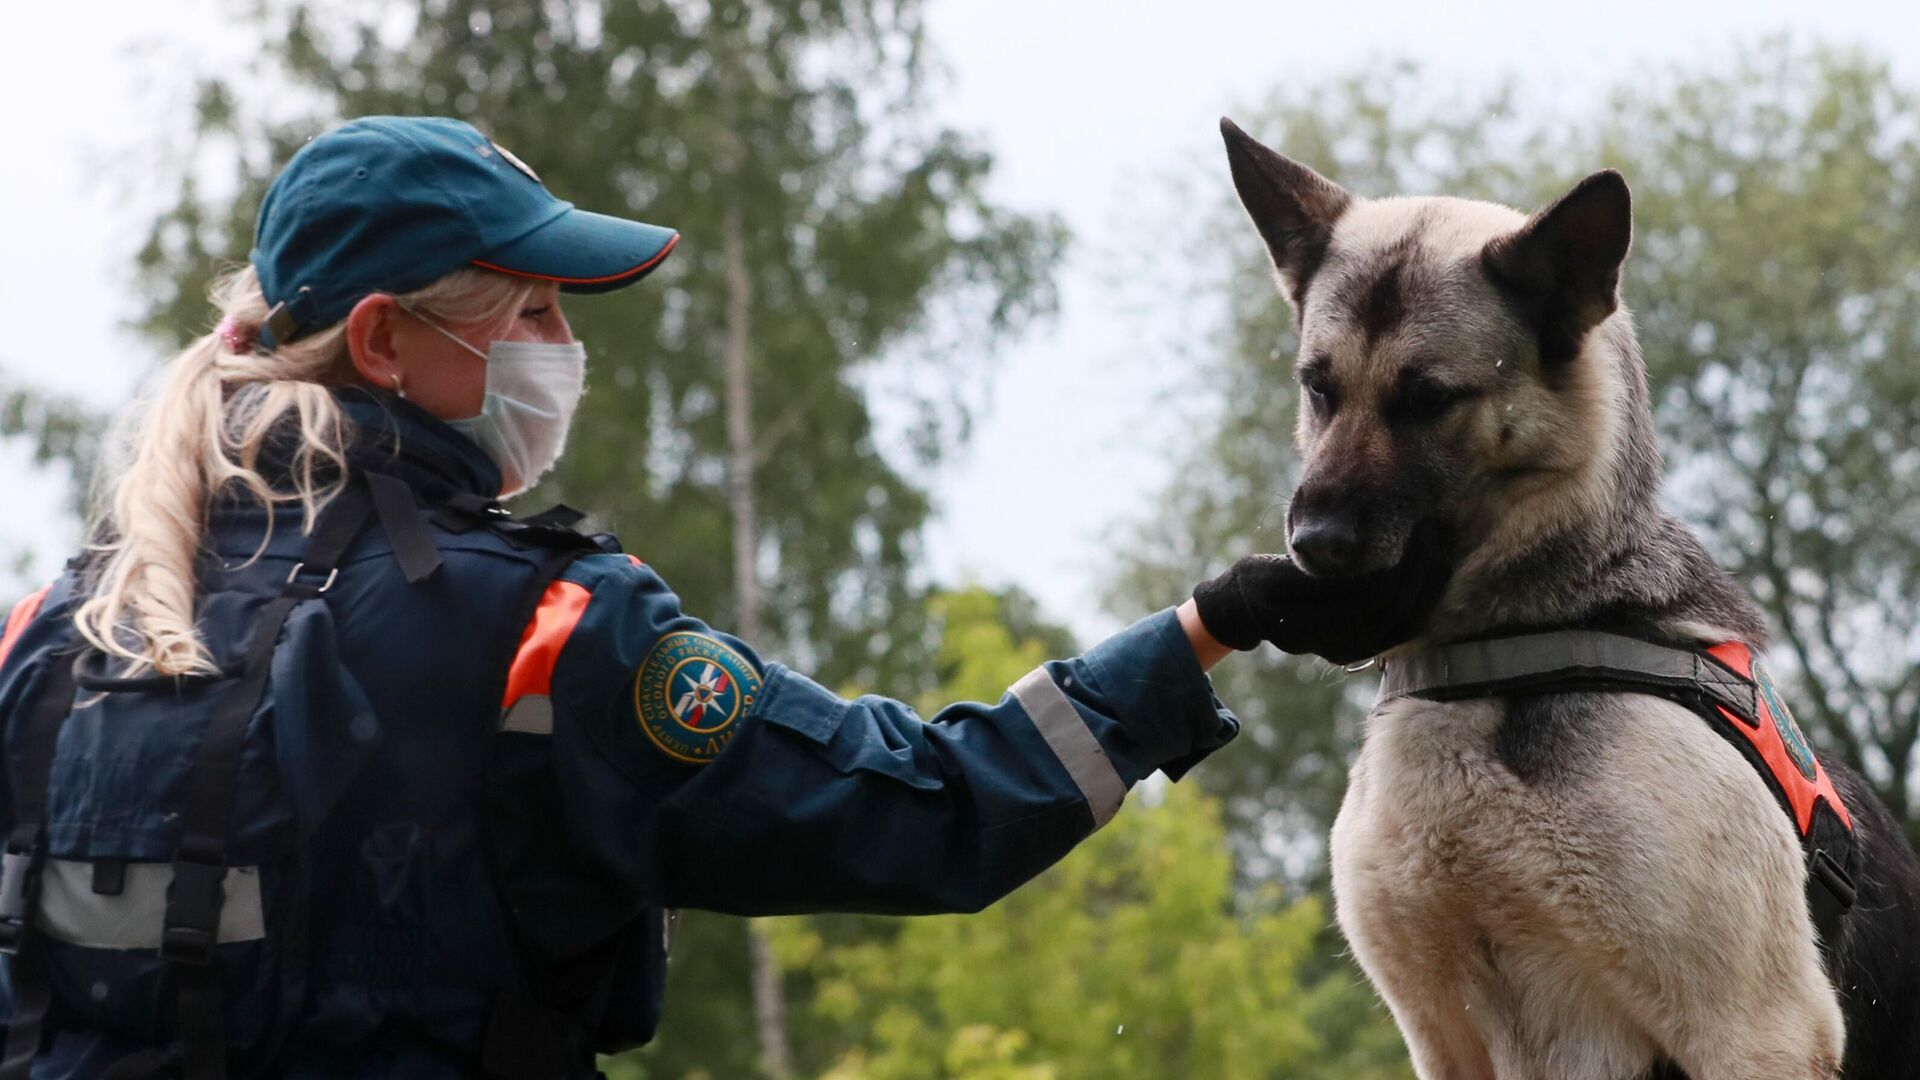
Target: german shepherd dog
1572	886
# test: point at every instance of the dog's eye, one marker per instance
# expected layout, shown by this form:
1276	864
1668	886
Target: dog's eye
1321	394
1419	400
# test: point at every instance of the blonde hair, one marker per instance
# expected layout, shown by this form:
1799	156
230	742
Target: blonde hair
195	435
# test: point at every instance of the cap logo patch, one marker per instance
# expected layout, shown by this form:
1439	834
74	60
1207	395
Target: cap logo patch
515	161
690	694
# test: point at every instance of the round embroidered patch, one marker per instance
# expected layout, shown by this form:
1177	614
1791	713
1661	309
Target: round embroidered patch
690	694
1790	736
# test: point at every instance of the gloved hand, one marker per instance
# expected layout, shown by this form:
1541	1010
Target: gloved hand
1345	619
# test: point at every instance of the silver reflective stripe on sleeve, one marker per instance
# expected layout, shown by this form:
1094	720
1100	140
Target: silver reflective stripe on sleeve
70	910
1072	742
531	715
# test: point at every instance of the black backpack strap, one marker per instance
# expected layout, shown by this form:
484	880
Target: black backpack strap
412	545
559	515
20	878
465	511
192	918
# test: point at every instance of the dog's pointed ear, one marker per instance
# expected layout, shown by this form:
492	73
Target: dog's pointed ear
1563	265
1294	207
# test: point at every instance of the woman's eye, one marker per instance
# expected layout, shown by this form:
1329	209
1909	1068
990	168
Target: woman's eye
536	312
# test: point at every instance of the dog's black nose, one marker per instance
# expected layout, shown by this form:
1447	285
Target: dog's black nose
1326	546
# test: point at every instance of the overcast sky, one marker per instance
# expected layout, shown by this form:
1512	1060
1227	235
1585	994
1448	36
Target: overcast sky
1087	103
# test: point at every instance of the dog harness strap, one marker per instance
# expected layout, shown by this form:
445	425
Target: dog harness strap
1565	660
1722	685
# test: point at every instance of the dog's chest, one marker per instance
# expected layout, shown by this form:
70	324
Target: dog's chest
1463	811
1427	783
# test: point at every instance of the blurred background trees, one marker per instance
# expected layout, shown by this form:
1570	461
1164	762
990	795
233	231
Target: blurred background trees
838	231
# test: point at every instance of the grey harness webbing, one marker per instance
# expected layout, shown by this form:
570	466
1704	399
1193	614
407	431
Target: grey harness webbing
1563	660
1574	661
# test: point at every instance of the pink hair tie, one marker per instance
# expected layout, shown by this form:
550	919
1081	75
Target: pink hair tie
237	340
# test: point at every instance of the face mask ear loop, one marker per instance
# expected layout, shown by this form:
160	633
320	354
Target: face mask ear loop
450	335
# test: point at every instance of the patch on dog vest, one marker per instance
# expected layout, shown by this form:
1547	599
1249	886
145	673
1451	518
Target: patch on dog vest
690	694
1776	711
1776	743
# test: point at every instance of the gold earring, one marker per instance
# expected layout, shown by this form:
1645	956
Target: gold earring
399	389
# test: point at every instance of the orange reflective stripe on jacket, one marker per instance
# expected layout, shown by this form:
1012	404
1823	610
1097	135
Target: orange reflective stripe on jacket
527	704
23	613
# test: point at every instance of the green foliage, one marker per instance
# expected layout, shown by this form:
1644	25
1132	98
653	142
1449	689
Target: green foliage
988	641
1127	959
58	429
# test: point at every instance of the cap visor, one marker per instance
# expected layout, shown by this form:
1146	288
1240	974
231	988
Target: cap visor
585	252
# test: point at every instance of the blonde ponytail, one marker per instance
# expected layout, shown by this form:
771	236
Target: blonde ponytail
197	432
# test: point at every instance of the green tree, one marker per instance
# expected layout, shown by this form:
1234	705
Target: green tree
830	226
1130	958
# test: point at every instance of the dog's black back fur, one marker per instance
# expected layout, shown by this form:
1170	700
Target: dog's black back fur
1879	957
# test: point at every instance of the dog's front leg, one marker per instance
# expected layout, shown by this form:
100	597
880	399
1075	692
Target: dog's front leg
1404	936
1443	1045
1787	1036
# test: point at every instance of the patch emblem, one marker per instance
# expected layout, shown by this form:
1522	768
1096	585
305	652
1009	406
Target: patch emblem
517	163
1782	718
690	695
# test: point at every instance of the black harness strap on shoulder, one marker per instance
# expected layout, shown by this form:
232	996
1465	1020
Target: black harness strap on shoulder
20	880
194	900
1570	661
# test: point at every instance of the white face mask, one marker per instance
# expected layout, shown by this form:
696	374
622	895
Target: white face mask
532	391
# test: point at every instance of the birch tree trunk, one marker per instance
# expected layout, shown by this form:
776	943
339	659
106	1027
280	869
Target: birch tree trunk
769	999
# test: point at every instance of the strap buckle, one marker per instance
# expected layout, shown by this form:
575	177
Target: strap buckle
194	899
19	871
1838	883
324	586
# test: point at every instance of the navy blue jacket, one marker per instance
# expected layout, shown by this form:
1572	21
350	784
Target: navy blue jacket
534	790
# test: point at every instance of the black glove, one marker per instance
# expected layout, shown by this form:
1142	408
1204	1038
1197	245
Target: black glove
1267	598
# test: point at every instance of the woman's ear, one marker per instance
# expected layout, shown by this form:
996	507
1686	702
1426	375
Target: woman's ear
370	340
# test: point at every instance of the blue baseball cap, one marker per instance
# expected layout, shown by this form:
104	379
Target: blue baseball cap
393	203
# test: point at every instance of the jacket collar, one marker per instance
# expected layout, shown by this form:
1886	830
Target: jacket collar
396	436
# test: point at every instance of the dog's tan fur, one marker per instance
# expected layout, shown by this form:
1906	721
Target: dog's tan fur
1582	931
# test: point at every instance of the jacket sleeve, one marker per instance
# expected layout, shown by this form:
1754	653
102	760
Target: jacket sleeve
725	783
